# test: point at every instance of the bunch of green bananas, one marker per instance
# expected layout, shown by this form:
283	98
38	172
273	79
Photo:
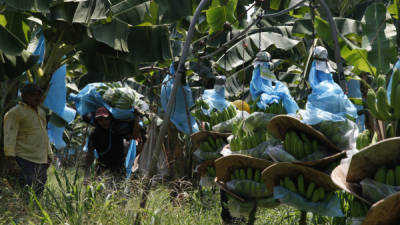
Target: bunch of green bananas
312	192
211	171
363	139
299	147
334	130
388	176
274	108
358	208
198	112
247	174
217	117
211	144
378	104
248	182
247	141
115	96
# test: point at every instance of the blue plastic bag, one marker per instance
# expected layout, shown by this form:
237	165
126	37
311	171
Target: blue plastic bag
389	88
179	116
262	86
327	96
89	100
330	208
130	158
354	92
215	98
56	99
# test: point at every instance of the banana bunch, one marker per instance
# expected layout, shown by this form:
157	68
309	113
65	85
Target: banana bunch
247	174
211	171
363	139
358	208
217	117
211	145
244	142
378	104
334	130
117	96
274	108
388	176
247	182
310	191
299	146
199	113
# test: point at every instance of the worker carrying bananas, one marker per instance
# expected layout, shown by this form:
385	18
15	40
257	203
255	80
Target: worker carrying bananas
266	89
107	139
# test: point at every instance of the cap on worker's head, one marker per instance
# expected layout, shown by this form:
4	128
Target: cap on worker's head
102	112
30	89
220	80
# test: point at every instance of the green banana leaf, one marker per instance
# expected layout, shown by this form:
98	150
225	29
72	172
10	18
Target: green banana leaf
238	54
379	38
13	66
13	33
130	12
218	15
114	34
352	54
28	5
90	10
173	10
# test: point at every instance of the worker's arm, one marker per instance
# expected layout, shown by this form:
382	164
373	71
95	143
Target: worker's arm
11	127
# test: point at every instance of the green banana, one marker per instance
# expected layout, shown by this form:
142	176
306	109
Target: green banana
310	190
242	174
250	173
390	180
371	103
300	149
397	175
382	104
314	146
315	196
237	174
300	184
329	196
257	175
212	142
381	80
289	184
321	193
380	175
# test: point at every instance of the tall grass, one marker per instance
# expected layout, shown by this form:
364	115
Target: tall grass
67	200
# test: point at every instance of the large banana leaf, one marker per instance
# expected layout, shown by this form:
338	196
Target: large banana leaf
218	15
173	10
352	54
13	66
246	49
91	10
379	38
131	12
28	5
114	34
13	33
149	43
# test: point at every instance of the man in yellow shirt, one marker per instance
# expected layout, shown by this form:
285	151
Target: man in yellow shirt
26	144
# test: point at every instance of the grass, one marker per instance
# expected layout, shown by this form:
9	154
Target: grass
67	200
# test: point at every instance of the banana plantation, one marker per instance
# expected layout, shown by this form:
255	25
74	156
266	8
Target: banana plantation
224	111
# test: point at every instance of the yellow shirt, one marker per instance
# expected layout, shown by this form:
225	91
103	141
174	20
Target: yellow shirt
25	134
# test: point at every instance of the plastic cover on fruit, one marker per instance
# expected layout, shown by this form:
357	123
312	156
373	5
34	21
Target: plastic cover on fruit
227	126
269	90
375	191
331	208
248	188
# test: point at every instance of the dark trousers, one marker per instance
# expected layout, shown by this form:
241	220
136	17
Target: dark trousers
225	214
32	174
